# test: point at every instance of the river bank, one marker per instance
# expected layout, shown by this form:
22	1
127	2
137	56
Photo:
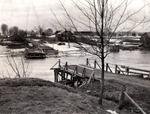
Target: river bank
36	96
139	93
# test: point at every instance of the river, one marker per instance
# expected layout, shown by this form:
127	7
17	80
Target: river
40	68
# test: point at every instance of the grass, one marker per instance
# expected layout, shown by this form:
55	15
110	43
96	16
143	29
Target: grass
36	96
112	91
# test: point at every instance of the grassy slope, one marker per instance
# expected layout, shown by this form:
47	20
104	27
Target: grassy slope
140	94
42	97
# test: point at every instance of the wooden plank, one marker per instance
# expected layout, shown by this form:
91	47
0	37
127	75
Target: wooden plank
98	65
110	69
87	67
134	103
119	69
71	71
138	73
137	69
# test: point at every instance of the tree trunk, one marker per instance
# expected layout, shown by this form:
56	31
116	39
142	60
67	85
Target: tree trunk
102	75
102	54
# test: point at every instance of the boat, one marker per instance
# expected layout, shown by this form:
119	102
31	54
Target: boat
34	54
49	50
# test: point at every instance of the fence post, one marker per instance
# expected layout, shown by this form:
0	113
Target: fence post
83	72
106	67
56	75
122	97
66	65
116	71
95	64
59	63
63	74
76	69
87	61
127	70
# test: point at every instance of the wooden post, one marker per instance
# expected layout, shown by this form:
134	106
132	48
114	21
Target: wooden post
83	72
95	64
116	71
106	67
63	74
122	97
127	70
134	103
56	75
76	69
66	65
87	61
59	63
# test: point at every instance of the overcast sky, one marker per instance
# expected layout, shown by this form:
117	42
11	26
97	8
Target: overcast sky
27	14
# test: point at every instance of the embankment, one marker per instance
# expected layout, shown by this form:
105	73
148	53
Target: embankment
36	96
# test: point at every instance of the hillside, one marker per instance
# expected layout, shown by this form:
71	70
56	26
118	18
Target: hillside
35	96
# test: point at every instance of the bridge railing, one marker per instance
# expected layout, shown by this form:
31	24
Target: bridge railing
119	69
112	68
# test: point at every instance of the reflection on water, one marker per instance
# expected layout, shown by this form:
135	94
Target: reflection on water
41	68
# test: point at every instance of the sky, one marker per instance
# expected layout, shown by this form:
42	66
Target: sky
28	14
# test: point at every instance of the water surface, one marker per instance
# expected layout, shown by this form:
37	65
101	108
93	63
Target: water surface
40	68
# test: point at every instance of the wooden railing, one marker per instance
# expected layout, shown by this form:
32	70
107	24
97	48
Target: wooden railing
120	69
112	68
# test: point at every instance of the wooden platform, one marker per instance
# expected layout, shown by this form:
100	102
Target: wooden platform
78	73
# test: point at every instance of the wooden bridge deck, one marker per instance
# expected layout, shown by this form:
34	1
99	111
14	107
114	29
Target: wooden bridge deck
88	71
119	73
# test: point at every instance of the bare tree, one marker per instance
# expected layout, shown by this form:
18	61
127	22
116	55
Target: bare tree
20	68
105	19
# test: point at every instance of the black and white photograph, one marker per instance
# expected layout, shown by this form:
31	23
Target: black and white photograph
74	57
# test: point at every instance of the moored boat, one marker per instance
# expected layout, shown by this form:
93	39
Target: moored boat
34	54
